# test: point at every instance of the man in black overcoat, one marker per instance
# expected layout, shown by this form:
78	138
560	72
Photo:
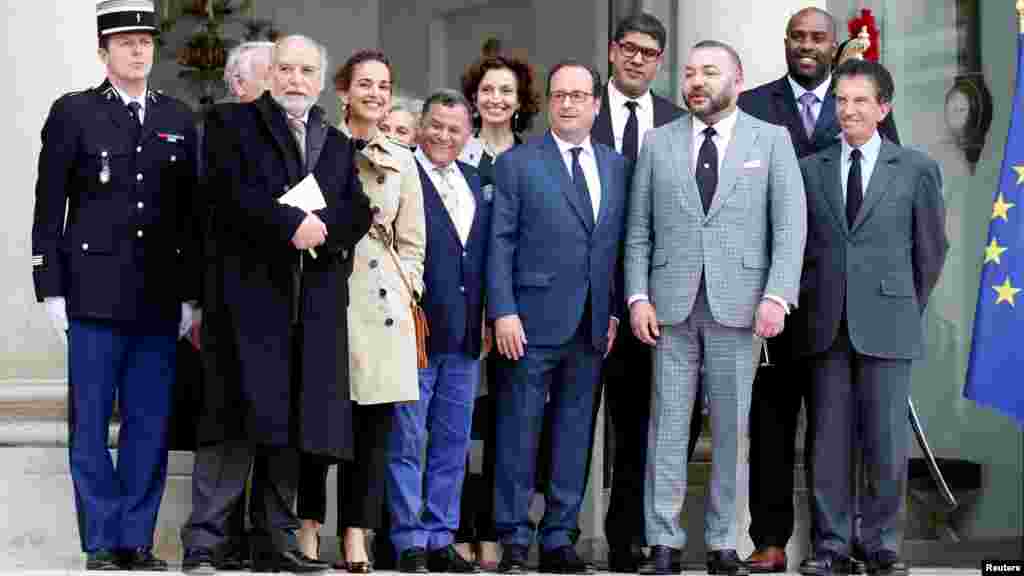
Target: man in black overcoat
276	348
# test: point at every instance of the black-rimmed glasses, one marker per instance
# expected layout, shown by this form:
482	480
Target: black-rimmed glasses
629	50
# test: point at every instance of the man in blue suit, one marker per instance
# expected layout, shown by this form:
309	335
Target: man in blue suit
424	497
557	222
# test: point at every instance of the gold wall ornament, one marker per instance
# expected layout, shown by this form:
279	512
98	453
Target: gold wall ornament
856	47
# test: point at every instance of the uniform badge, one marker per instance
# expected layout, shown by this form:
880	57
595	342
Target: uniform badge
38	261
104	167
172	138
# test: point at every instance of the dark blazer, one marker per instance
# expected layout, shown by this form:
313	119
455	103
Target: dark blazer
775	103
879	273
544	256
248	348
128	250
453	274
664	112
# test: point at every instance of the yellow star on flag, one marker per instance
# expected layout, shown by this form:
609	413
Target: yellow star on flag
993	251
1001	208
1006	292
1020	174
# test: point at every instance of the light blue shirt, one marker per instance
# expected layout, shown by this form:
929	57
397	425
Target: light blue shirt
869	156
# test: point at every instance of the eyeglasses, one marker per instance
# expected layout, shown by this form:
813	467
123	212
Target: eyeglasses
576	96
629	50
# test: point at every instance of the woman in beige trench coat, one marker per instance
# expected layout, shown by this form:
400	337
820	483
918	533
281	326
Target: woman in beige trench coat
382	334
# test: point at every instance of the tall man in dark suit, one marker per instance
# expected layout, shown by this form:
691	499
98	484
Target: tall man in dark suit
424	496
628	110
803	102
714	245
557	223
113	256
281	358
876	247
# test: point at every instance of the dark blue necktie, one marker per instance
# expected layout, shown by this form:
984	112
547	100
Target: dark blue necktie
631	134
707	168
854	188
580	182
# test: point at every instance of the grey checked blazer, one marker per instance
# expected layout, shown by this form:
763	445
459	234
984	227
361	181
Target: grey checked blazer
751	241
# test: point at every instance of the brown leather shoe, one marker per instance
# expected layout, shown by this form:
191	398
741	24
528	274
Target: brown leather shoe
766	560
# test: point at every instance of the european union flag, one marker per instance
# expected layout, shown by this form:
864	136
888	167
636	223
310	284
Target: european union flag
995	374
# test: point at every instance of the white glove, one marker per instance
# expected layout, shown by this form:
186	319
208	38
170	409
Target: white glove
185	326
57	310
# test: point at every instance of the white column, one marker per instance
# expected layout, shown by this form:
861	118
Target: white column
755	29
51	49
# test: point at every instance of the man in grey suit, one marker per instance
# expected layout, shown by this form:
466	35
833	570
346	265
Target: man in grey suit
876	247
714	243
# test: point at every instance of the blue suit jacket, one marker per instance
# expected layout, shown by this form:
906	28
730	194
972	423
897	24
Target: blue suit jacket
453	274
545	258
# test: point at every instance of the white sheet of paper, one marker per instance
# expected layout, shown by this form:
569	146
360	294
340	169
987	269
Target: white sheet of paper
306	196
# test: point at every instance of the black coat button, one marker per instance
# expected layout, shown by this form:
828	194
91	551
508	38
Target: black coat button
383	293
389	322
373	263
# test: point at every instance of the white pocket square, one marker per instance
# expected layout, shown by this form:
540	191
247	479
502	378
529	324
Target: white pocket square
752	164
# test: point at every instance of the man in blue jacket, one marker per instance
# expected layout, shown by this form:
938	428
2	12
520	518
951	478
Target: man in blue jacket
425	497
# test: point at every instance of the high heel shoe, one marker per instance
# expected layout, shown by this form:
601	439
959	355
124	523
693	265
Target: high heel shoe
308	538
361	567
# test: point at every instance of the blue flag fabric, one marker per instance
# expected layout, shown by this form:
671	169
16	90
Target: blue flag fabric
995	373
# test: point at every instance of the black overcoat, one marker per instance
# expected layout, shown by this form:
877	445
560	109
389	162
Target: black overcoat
269	380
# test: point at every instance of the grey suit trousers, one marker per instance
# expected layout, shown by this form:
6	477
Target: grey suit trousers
218	482
726	355
858	401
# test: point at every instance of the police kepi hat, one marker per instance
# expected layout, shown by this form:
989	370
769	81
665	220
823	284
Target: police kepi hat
116	16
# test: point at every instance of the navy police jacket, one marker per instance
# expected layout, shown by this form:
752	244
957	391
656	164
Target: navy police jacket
114	231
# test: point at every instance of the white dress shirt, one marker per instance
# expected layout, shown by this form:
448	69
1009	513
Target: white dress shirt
619	114
820	91
588	162
454	191
129	99
869	156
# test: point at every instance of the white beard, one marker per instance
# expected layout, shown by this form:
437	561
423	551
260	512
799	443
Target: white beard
295	106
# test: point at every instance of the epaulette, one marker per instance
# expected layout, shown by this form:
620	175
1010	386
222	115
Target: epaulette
75	93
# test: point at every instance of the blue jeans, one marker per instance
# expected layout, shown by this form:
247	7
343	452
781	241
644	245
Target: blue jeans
424	499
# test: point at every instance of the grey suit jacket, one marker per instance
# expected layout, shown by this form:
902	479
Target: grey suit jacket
750	242
879	274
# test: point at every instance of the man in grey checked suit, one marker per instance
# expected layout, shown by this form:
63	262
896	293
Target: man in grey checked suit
714	245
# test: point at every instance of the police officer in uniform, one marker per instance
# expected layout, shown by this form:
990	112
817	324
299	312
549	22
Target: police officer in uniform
112	242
